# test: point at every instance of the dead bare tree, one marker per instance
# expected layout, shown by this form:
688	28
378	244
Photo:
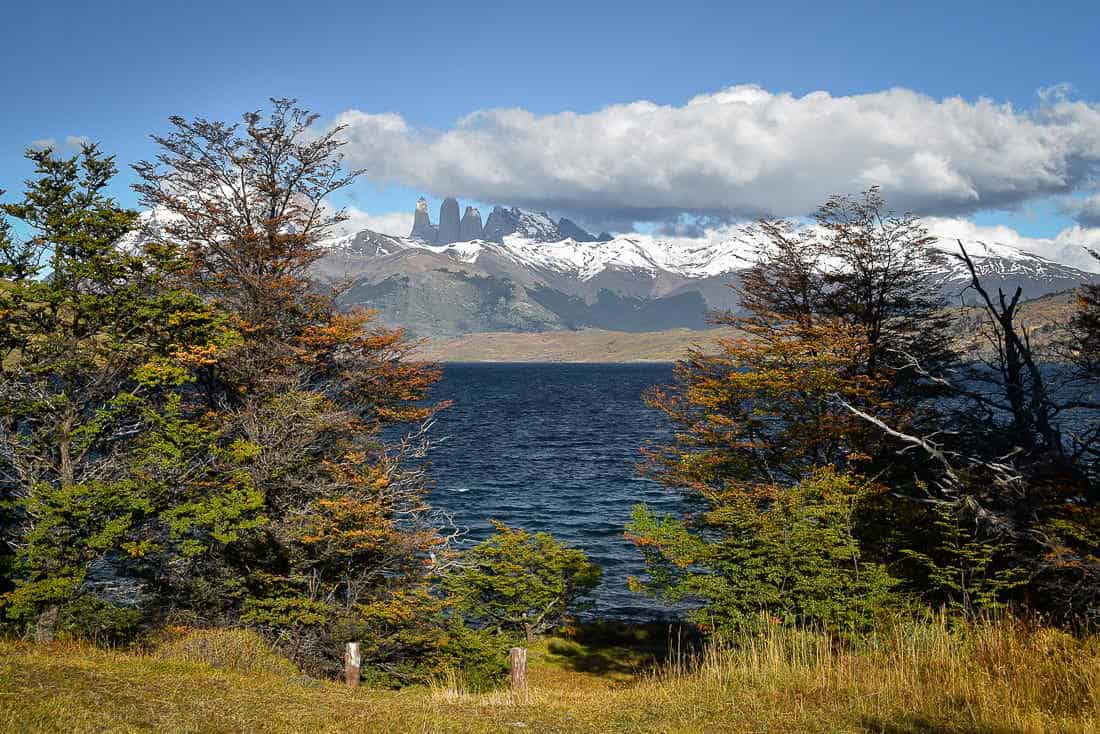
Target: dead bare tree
1016	451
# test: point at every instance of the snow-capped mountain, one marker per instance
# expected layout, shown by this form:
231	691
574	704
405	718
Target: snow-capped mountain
1005	267
534	279
528	225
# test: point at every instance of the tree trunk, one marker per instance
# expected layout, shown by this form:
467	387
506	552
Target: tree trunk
64	449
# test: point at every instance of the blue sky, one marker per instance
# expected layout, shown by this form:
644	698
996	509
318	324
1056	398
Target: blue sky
114	71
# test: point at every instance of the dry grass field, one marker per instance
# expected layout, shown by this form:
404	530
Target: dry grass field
999	678
1043	316
586	345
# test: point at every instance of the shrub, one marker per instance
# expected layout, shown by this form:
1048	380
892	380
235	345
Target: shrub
99	621
478	657
520	582
964	569
788	556
236	650
413	640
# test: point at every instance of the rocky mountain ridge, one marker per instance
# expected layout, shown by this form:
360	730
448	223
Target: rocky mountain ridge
535	226
533	279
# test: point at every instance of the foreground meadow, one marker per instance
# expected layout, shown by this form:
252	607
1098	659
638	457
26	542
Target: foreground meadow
999	678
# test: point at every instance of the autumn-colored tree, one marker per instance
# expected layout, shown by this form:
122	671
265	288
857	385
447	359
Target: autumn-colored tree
95	346
882	277
755	427
863	264
331	531
762	411
836	315
874	270
248	204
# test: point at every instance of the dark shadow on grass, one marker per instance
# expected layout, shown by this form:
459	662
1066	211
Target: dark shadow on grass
608	648
924	725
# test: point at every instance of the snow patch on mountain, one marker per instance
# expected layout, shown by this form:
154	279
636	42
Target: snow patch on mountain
537	226
997	259
737	248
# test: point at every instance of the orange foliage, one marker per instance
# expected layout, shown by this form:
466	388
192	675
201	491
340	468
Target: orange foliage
766	409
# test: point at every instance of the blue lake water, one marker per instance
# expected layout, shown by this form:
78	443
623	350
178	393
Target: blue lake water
553	447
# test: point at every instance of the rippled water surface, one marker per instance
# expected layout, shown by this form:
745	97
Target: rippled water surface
553	447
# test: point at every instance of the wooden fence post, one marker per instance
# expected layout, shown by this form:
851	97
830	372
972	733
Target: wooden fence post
351	664
517	661
47	624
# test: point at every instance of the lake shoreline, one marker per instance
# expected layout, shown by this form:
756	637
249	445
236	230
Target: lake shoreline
584	346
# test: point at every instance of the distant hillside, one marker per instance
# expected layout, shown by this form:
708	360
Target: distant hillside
587	345
1042	316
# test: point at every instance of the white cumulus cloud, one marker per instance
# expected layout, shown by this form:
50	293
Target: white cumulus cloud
398	224
70	144
743	151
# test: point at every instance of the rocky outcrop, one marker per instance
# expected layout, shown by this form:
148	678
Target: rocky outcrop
470	227
499	224
574	231
423	229
449	226
535	226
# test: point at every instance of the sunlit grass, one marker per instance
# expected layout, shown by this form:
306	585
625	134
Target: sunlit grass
995	677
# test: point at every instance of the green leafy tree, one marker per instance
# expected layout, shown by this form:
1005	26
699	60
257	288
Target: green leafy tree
520	582
965	564
311	521
786	555
94	348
